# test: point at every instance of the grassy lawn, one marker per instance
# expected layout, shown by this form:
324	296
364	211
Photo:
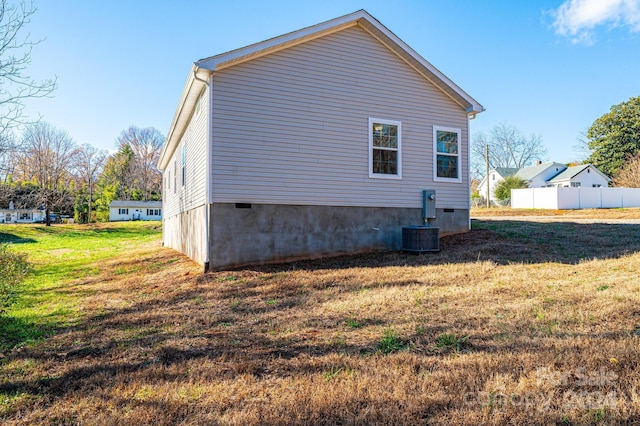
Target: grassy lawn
513	323
62	254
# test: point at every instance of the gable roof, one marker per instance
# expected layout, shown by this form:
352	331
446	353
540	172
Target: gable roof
203	70
506	171
571	172
366	22
530	172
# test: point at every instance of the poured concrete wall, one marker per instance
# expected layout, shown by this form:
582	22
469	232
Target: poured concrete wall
271	233
187	233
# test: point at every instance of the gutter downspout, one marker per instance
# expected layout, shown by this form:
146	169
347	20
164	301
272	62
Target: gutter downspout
208	148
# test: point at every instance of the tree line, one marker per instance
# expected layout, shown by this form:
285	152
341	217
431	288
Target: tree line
45	168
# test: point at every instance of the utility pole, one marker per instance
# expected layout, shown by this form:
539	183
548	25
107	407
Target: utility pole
486	158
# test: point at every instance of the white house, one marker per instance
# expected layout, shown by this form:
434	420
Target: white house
11	215
313	143
584	175
542	175
120	210
496	176
538	175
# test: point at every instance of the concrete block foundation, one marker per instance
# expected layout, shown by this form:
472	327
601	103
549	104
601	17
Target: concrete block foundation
243	234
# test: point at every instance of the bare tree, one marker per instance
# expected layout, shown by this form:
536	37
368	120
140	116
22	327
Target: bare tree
581	147
15	56
89	164
629	175
47	157
8	152
507	148
146	145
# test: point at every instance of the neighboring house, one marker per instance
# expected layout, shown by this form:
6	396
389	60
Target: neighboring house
11	215
496	176
585	176
120	210
313	143
540	175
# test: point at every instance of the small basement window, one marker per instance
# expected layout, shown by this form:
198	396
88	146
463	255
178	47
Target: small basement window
385	148
446	159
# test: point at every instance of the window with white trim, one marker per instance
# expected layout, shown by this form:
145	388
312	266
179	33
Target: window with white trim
446	159
385	148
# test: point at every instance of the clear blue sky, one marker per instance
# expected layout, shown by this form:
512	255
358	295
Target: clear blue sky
546	67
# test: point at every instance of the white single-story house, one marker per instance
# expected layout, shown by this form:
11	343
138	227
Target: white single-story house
538	175
543	175
11	215
496	176
313	143
120	210
584	175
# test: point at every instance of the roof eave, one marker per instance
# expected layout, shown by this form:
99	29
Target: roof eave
192	89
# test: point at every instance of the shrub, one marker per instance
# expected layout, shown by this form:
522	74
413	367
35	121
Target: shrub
503	189
13	268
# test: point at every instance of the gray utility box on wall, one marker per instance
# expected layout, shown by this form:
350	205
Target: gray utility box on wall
428	205
420	239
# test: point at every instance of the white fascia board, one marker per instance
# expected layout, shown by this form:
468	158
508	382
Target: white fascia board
255	50
188	99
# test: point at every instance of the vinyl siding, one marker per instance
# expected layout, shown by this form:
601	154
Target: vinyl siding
193	193
292	127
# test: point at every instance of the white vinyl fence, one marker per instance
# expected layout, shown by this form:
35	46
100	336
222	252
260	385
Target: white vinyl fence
574	198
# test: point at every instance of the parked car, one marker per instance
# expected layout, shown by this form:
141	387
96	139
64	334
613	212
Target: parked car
53	218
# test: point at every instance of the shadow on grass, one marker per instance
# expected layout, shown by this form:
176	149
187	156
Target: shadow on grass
501	241
14	239
16	332
235	322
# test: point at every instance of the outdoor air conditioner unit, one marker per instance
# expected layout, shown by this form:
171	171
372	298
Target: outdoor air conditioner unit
420	239
423	238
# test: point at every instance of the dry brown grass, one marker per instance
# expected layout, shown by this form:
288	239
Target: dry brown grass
629	213
553	338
